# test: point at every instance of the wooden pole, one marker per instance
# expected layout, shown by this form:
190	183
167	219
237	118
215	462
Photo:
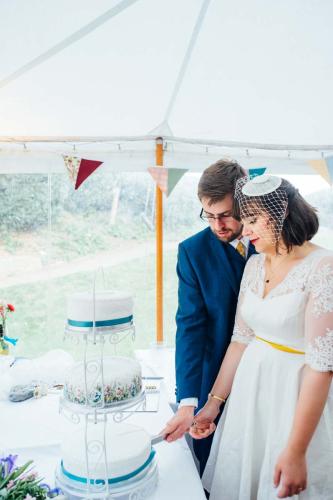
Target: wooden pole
159	248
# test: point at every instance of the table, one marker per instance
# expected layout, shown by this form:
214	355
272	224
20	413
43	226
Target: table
33	429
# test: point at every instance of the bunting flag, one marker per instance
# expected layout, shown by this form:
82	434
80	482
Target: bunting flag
324	168
167	178
254	172
329	162
79	169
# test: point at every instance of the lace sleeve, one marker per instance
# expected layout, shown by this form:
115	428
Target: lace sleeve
319	318
243	333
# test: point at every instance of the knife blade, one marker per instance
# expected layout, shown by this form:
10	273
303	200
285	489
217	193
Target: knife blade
158	438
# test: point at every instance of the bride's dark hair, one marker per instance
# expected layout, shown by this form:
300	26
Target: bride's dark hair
301	222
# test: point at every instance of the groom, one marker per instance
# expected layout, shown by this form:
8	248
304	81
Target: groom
210	267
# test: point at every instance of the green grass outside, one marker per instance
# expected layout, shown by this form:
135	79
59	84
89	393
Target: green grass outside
41	307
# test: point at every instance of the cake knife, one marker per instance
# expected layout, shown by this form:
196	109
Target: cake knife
158	438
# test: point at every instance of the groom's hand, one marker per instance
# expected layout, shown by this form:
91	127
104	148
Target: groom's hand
180	423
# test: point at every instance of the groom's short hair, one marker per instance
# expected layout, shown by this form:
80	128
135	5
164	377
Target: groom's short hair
219	180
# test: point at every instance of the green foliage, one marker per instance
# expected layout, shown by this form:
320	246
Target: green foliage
9	240
16	485
25	201
32	202
95	194
24	488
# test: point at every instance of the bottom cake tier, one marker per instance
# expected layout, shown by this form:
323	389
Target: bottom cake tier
107	462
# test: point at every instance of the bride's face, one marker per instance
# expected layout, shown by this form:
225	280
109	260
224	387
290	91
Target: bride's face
259	228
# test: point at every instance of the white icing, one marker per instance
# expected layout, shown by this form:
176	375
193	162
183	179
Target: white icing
122	380
108	305
127	448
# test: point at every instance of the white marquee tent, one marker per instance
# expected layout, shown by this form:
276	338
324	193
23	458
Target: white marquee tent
103	79
251	80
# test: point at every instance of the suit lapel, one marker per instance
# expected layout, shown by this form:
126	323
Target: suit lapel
228	271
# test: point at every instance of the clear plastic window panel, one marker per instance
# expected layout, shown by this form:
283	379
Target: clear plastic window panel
53	239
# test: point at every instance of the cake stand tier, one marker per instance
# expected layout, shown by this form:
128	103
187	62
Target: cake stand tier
115	334
138	488
120	410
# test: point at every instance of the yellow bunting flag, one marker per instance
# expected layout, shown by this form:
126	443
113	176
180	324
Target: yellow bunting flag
320	166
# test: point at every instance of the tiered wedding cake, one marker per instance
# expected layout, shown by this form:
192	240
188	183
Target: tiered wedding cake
104	458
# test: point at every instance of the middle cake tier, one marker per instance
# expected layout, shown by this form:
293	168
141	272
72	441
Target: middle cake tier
103	383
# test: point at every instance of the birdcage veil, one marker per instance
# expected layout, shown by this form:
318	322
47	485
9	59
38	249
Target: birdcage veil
263	196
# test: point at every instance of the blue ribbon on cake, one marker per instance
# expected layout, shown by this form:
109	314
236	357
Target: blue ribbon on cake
110	481
107	322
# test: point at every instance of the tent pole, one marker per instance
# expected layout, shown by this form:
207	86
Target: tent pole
159	247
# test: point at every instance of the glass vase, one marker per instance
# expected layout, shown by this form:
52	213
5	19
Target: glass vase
4	346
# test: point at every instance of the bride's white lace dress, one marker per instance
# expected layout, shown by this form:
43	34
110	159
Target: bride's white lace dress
255	425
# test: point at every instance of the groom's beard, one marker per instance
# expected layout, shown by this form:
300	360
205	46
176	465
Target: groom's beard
226	235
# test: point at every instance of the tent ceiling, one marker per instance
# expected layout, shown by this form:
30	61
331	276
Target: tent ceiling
260	72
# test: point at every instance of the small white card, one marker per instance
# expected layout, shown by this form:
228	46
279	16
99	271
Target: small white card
152	393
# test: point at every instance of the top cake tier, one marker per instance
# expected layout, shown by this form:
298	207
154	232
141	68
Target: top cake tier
108	309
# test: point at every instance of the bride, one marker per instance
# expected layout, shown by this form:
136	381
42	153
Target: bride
275	436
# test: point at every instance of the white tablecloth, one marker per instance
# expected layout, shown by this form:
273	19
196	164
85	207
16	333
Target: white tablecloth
33	429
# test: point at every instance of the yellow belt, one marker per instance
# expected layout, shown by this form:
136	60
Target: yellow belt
280	347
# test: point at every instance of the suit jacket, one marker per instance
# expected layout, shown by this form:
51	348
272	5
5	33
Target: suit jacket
209	273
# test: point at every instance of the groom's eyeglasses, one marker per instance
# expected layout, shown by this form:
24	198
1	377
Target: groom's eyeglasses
225	216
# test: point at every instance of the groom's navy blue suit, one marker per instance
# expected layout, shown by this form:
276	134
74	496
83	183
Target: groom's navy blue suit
209	273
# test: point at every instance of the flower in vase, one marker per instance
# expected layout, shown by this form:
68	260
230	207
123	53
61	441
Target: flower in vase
22	483
10	484
5	308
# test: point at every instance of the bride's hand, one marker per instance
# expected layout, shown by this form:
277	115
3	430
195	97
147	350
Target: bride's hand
202	430
290	473
203	424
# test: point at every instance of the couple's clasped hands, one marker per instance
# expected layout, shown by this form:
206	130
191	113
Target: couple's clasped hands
199	426
203	424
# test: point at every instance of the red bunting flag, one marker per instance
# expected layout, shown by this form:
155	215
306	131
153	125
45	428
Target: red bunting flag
79	169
